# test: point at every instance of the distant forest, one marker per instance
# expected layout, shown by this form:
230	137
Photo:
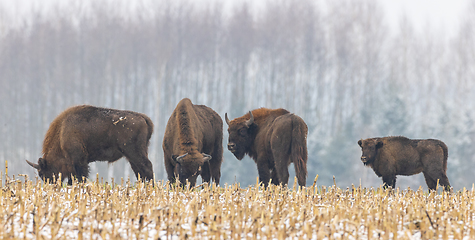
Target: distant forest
338	66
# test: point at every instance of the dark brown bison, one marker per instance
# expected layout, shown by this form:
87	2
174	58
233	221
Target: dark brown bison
274	138
391	156
84	134
193	143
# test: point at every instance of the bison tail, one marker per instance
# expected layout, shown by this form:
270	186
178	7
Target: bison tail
446	154
150	127
299	149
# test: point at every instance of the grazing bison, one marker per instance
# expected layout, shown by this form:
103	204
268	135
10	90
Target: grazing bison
274	138
193	143
391	156
84	134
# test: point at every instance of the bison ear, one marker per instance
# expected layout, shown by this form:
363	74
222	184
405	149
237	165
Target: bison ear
360	142
379	144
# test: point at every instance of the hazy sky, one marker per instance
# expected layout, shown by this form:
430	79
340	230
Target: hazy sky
443	15
438	14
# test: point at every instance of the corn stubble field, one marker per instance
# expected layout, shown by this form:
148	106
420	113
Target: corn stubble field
99	210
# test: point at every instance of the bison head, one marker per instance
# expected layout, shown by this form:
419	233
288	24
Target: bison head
369	147
241	135
45	171
188	166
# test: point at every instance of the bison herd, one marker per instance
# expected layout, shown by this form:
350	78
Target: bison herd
192	146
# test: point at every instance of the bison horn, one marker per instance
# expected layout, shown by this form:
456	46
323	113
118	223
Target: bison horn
206	157
33	164
251	120
226	118
180	158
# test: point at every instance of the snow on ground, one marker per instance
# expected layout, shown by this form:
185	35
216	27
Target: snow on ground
96	210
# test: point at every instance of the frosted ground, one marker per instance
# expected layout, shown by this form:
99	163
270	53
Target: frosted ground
98	210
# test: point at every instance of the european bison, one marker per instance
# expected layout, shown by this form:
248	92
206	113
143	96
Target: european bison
391	156
193	143
273	138
84	134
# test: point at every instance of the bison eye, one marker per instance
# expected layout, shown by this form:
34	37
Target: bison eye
243	132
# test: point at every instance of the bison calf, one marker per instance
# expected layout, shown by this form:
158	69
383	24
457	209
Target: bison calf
391	156
84	134
274	138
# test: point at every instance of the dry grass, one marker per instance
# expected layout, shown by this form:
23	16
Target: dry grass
99	210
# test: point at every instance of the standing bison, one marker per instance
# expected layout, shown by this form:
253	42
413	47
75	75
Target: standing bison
274	138
391	156
193	143
84	134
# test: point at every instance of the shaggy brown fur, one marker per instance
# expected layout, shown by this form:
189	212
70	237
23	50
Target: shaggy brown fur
84	134
391	156
193	143
273	138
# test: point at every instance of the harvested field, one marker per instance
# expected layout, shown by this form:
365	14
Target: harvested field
99	210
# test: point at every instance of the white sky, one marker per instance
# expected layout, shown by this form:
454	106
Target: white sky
445	15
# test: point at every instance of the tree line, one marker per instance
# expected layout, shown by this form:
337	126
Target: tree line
339	67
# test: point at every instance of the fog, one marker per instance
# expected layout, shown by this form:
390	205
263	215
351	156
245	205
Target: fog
343	68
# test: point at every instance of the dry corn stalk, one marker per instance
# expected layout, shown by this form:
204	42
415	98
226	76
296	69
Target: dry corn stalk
97	209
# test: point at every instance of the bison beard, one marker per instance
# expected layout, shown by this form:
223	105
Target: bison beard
391	156
273	138
193	132
84	134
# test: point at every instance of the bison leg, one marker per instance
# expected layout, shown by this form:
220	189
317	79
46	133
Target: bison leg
444	181
431	184
76	158
139	162
144	168
170	168
135	150
216	161
264	171
281	166
82	171
205	172
432	180
433	172
281	154
282	172
215	169
274	177
389	181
